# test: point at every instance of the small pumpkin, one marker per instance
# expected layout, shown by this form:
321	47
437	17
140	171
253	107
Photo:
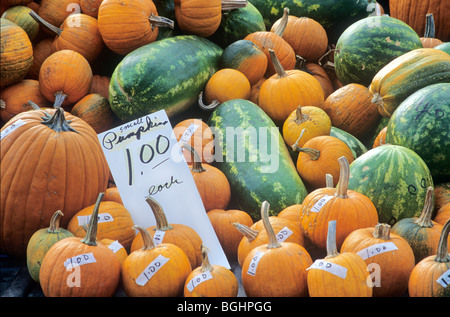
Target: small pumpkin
100	85
96	111
291	213
443	214
197	134
263	276
441	194
210	280
155	270
380	139
319	73
90	7
41	241
116	248
112	194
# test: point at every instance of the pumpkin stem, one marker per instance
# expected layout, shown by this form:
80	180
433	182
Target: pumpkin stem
59	99
54	222
2	104
146	238
331	240
58	122
41	21
161	219
273	241
197	166
299	116
300	62
315	154
36	107
206	265
382	231
442	254
329	180
246	231
283	23
91	234
277	65
213	105
343	177
430	30
233	4
328	63
425	217
294	146
160	22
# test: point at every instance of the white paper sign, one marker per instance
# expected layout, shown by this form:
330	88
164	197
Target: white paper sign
145	159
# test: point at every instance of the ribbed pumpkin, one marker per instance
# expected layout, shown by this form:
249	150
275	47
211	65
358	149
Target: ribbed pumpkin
388	255
20	16
41	50
338	274
90	7
41	241
443	214
210	280
128	24
67	174
115	222
222	222
155	270
16	56
283	92
197	134
350	108
421	232
96	111
80	267
56	11
65	77
429	277
181	235
313	120
14	98
275	269
318	157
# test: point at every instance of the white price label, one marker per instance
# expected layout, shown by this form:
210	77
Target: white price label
320	203
444	279
198	279
189	132
104	217
254	263
158	237
11	128
283	234
81	259
330	267
115	246
151	270
376	249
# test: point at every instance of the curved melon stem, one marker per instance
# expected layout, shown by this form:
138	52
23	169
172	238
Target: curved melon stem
213	105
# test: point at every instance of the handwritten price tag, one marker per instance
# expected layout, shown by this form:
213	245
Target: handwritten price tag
376	249
146	159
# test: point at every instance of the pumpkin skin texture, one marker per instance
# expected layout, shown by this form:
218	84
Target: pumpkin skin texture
281	269
41	241
201	18
56	11
16	55
425	277
100	85
395	265
167	281
99	278
20	16
41	50
90	7
292	213
52	180
227	84
443	214
202	139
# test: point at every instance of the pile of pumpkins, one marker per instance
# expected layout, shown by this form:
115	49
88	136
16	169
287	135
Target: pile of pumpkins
364	120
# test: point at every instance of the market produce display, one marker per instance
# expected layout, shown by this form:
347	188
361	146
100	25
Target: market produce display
313	136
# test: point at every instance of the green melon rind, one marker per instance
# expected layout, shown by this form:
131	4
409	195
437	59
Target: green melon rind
422	123
445	47
395	178
369	44
167	74
249	184
355	145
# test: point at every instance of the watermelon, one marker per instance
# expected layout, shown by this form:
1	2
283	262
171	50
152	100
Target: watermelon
395	178
369	44
251	152
428	112
445	47
167	74
355	145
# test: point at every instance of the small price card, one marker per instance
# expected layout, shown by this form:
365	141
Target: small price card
146	159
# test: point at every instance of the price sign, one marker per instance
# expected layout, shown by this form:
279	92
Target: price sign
145	159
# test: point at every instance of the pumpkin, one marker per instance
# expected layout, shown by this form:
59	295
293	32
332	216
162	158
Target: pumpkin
80	267
41	50
428	39
90	7
95	110
56	11
20	16
275	269
114	222
319	73
441	194
312	119
319	156
16	55
197	134
291	213
65	77
443	214
100	85
112	194
222	222
380	139
350	209
127	25
350	108
421	232
429	277
14	98
212	184
17	2
285	91
246	57
41	241
388	255
254	91
210	280
67	175
116	248
183	236
155	270
342	274
306	36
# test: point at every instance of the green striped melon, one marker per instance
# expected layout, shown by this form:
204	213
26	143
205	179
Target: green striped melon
445	47
395	178
167	74
355	145
369	44
252	154
422	123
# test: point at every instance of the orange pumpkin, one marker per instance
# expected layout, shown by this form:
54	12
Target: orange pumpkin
41	50
291	213
100	85
197	134
380	138
254	91
96	111
90	7
443	214
112	194
116	248
56	11
441	194
319	73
